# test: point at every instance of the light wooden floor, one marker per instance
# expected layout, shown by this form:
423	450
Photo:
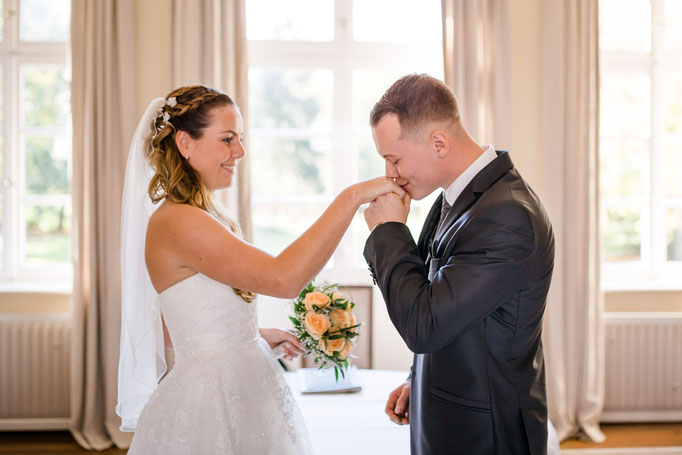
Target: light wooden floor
634	435
45	442
621	435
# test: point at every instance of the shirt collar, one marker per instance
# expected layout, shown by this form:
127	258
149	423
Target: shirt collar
455	189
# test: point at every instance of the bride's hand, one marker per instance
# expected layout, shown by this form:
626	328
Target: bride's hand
287	341
369	190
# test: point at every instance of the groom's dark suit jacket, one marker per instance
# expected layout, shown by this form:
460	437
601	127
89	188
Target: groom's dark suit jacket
468	300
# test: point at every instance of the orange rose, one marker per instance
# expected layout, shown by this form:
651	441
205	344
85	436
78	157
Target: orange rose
352	321
329	346
345	351
340	318
316	324
316	298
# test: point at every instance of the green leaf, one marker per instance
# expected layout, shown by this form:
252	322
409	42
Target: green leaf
295	321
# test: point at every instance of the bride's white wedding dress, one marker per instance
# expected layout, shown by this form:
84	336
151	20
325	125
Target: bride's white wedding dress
226	393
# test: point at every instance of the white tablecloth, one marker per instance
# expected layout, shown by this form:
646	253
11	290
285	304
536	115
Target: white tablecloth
354	422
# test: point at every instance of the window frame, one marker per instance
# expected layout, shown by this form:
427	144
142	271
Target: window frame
653	271
342	55
15	275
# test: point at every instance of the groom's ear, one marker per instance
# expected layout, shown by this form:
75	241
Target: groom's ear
440	142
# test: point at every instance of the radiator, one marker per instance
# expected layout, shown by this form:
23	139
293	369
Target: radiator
34	372
643	367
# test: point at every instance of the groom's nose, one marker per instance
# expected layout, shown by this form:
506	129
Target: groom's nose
391	170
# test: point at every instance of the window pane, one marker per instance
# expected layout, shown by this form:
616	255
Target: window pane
625	25
673	133
418	212
45	20
673	170
672	87
277	224
307	20
48	230
623	165
44	96
370	164
368	87
289	167
290	98
415	221
397	21
47	165
674	228
625	105
673	25
622	235
359	233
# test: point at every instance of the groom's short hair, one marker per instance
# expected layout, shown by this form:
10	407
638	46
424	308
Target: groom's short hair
417	100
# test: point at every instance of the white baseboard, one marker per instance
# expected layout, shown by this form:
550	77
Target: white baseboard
640	416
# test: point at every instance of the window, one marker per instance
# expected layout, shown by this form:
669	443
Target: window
316	69
35	141
641	142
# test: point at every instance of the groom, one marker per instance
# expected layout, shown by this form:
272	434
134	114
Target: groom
468	299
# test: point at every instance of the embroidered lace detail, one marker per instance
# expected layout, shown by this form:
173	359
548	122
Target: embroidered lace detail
288	407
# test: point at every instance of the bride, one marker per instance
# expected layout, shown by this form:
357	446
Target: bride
226	393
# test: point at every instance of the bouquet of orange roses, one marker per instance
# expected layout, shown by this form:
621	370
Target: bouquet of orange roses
325	323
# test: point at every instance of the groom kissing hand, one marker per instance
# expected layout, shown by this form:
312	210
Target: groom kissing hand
387	207
468	298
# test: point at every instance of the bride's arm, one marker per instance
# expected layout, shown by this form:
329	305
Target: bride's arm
202	244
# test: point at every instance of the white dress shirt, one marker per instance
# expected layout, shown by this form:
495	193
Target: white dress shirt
455	189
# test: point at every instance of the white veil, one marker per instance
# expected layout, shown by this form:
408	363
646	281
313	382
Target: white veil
141	362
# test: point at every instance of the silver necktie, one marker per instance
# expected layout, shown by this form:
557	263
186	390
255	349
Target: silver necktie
443	211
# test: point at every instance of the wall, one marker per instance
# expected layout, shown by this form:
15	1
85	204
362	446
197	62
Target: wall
389	351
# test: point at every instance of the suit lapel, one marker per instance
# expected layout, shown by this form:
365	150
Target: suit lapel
480	183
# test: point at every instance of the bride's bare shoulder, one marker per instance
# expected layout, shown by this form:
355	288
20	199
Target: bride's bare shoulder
168	231
171	216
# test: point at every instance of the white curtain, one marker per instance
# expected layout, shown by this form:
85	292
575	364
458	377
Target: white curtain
573	333
208	46
110	41
102	100
476	52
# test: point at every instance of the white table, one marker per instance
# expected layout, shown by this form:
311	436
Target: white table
359	417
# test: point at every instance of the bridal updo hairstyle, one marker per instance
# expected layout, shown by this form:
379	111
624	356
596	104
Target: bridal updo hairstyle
174	179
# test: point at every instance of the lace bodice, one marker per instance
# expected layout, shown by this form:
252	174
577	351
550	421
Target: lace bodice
224	323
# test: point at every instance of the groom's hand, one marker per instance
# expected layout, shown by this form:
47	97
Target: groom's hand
398	404
386	208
